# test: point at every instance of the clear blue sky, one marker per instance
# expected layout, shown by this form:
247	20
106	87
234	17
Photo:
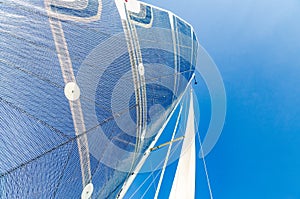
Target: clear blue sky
256	45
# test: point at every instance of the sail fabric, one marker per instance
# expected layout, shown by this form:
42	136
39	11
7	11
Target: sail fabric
184	181
130	73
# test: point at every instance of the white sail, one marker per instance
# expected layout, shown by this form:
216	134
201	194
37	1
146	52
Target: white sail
184	180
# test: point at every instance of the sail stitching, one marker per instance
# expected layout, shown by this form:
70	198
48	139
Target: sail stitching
75	106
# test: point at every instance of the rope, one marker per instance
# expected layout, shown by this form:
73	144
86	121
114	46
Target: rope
175	147
155	169
168	154
204	163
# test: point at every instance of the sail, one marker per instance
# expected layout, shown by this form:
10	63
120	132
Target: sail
86	87
184	181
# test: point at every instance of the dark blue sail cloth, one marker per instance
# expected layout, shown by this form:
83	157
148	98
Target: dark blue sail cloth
130	72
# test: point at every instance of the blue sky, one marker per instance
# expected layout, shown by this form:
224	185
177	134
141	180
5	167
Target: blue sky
256	46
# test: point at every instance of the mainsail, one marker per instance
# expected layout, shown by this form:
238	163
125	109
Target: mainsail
87	87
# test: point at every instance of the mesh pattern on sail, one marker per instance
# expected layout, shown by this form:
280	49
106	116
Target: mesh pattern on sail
169	57
47	141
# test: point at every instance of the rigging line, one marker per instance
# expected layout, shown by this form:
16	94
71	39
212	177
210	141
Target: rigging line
168	154
154	177
156	168
153	180
204	162
144	181
131	178
189	109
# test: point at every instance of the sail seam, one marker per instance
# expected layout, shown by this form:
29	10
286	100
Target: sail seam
75	106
